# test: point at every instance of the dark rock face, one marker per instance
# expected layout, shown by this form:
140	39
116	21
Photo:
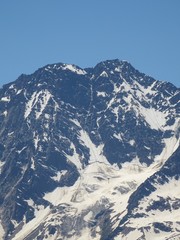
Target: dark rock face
53	121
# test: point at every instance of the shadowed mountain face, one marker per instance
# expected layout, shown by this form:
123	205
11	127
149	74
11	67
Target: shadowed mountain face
89	154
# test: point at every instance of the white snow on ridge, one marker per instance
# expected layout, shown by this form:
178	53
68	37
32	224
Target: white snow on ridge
43	102
12	86
118	69
119	136
36	140
147	90
69	67
30	104
171	145
171	191
96	152
32	163
75	158
40	98
73	68
75	121
104	74
35	222
19	91
154	118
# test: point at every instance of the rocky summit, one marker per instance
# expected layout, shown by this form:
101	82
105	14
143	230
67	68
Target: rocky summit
89	154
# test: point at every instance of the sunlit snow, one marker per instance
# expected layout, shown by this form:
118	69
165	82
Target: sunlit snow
74	69
38	100
5	99
2	232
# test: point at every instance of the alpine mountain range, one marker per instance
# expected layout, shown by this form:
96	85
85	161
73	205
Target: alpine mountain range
89	154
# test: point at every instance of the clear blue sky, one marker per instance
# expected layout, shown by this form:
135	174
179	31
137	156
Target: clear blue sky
37	32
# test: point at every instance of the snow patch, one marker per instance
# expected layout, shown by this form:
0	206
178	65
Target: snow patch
133	235
170	190
102	94
118	136
15	223
154	118
76	122
2	232
5	113
171	145
38	98
117	69
41	214
32	163
75	158
147	90
19	91
36	141
132	142
59	174
30	104
1	165
88	217
30	202
19	151
45	96
104	74
5	99
12	86
73	68
116	113
96	152
11	133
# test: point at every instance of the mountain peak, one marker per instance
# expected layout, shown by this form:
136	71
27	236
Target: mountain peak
112	64
81	147
63	66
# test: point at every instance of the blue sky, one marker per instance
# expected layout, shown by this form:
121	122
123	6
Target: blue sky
144	32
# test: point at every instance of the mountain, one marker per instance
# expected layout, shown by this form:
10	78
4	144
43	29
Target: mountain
89	154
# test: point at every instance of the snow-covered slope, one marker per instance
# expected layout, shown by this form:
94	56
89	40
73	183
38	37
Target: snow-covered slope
81	148
154	209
